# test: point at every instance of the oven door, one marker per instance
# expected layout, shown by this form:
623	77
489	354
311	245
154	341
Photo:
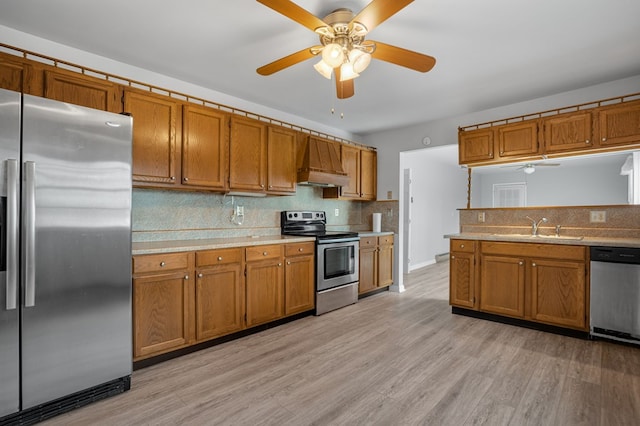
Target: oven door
337	262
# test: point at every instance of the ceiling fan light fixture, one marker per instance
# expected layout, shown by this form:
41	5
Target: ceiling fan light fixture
529	168
359	59
347	72
333	55
323	69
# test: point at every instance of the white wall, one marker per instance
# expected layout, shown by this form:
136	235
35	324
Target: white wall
59	51
439	189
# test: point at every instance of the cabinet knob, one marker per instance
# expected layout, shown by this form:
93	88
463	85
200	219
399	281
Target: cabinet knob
521	263
186	277
262	186
279	264
501	152
173	178
289	263
219	258
587	141
300	249
162	264
461	245
264	253
604	139
270	186
533	264
453	257
186	179
199	275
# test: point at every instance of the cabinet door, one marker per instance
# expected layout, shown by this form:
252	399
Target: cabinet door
155	154
558	293
368	265
265	292
462	279
248	153
502	285
281	160
619	124
82	90
160	314
368	174
475	145
518	139
219	301
204	147
350	158
16	74
385	264
299	284
567	132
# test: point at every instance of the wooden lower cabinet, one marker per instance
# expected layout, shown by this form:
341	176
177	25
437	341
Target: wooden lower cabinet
162	289
299	284
376	263
462	273
219	293
544	283
265	284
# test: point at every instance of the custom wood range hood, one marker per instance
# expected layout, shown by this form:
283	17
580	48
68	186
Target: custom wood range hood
319	164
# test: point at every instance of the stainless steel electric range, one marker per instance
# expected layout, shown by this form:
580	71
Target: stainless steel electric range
337	266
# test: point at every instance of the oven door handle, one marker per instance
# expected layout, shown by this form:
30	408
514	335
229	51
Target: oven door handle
338	240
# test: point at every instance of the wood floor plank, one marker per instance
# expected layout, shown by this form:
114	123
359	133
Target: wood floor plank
390	359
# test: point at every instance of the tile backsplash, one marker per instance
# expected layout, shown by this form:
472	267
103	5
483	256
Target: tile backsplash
159	215
621	221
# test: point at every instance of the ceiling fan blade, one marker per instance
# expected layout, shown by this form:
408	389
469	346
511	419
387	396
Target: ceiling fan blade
285	62
403	57
344	89
294	12
379	11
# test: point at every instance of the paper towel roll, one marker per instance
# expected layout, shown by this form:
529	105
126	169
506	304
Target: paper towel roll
377	220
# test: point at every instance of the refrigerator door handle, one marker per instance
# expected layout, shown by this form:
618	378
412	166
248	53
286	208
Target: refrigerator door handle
29	239
12	233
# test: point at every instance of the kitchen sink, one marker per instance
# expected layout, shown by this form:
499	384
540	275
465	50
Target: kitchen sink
541	237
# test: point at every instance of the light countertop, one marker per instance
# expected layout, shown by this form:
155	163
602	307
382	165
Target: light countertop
586	241
151	247
374	234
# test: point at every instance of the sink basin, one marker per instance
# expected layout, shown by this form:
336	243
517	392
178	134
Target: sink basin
541	237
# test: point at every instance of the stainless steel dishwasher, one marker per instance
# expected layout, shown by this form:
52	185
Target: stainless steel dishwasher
615	293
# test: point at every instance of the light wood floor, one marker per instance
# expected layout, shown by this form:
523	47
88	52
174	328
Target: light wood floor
391	359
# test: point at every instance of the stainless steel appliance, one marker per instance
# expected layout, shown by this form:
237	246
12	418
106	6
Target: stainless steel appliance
337	258
615	293
65	279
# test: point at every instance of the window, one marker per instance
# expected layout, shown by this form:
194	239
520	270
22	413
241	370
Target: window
510	195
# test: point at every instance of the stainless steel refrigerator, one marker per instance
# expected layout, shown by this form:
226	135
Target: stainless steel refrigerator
65	255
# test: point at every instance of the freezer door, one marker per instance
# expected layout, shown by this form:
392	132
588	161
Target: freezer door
76	243
9	307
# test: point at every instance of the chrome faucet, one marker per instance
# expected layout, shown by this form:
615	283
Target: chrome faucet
535	225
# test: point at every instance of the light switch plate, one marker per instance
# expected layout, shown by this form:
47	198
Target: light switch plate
481	217
337	212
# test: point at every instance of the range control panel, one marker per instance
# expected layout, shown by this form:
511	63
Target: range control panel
302	215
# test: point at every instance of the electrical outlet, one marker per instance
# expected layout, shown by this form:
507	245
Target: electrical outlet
598	216
239	210
481	217
336	212
389	195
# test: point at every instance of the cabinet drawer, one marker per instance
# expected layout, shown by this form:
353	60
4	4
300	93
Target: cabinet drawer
218	257
160	262
299	249
465	246
385	239
368	242
547	251
273	251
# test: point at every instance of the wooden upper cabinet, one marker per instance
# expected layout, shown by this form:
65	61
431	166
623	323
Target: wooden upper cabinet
155	149
281	160
518	139
350	158
204	147
475	145
368	174
77	89
247	155
619	124
17	74
567	132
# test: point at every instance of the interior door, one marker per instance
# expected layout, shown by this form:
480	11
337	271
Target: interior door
76	239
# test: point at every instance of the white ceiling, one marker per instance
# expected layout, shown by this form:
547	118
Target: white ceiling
489	53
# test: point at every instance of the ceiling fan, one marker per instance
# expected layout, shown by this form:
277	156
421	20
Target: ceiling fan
529	168
343	48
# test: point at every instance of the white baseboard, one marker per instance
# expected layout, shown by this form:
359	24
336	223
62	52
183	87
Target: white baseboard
421	265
